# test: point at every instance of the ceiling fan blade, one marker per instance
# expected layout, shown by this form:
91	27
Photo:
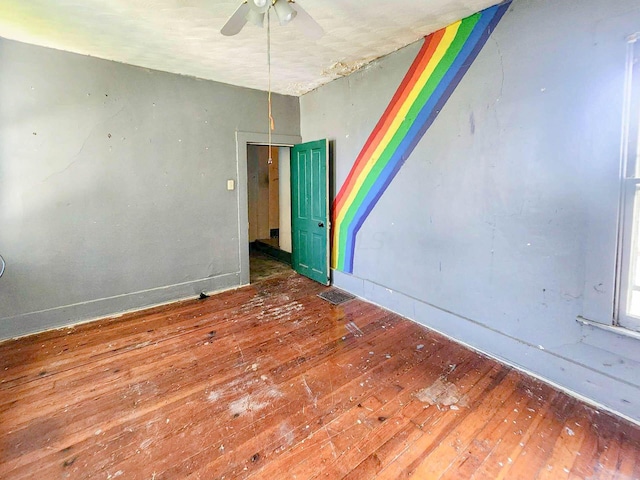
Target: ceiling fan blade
236	21
308	25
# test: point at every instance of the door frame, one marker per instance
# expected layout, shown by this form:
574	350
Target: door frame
242	140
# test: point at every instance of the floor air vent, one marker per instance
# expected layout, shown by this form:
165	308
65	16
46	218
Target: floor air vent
336	296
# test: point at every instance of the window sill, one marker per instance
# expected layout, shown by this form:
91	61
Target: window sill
625	332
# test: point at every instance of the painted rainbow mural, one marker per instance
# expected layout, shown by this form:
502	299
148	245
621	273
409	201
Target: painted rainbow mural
435	73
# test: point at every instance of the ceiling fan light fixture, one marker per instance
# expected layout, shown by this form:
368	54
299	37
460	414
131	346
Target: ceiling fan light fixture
284	11
255	17
259	6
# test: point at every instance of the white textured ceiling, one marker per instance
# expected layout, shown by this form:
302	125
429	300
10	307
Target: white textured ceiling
183	36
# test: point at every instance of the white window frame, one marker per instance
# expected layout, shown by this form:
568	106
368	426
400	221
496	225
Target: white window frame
629	230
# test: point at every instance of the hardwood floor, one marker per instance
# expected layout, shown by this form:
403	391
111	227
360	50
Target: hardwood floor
270	381
262	266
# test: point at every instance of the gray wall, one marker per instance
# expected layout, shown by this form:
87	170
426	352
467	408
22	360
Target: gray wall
113	185
500	229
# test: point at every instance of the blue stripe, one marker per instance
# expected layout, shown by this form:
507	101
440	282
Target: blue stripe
477	39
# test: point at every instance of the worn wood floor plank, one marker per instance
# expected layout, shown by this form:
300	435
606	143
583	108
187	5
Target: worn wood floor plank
269	381
489	438
411	416
379	420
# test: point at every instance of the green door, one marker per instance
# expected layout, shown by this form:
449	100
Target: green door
310	210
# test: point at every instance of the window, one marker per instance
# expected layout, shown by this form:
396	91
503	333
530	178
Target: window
628	298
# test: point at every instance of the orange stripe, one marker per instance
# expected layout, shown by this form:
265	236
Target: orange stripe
424	56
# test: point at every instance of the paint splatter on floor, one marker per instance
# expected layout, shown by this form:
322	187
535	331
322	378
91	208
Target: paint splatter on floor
254	402
443	394
279	312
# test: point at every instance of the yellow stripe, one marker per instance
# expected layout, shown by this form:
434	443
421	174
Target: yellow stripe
441	50
444	45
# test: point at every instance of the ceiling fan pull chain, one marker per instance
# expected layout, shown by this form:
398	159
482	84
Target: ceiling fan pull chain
271	122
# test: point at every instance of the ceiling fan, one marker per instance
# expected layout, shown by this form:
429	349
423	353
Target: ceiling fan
286	10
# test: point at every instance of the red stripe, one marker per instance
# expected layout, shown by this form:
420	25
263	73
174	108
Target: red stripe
409	81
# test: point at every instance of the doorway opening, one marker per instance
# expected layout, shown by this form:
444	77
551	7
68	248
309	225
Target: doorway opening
269	210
